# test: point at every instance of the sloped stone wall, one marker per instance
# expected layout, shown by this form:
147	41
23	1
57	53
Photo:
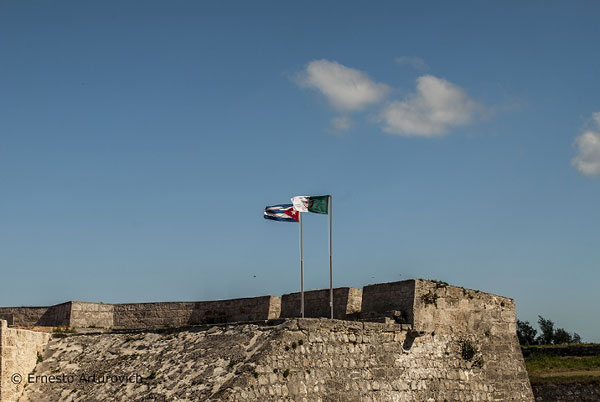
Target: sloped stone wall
345	361
296	360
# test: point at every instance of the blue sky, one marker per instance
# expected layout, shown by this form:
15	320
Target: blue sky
140	142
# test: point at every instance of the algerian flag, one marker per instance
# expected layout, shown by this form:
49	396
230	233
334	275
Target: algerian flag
317	204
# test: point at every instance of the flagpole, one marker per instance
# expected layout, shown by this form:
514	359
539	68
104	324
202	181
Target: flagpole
301	270
330	259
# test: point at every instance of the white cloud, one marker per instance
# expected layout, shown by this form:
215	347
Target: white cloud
344	87
436	106
415	62
587	160
341	123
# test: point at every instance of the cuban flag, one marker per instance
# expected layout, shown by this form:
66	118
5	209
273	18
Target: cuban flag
282	213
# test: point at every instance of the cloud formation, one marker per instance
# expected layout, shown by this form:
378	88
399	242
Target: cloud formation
587	160
437	106
415	62
345	88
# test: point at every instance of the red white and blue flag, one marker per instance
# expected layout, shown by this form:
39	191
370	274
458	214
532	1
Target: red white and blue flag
281	213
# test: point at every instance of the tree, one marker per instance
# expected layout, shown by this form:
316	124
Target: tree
526	333
547	328
561	336
549	336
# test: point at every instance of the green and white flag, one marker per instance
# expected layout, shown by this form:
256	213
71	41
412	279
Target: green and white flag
317	204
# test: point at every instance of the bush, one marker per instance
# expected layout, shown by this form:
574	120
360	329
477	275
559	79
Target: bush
468	350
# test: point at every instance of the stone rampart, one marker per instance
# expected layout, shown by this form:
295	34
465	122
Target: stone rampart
295	360
176	314
425	304
363	361
19	351
346	303
412	340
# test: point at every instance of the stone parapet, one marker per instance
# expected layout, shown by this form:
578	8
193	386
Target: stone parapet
346	303
427	305
383	298
440	307
53	316
176	314
91	315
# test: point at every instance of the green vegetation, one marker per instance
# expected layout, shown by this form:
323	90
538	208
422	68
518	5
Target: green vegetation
545	368
548	335
470	353
543	362
533	348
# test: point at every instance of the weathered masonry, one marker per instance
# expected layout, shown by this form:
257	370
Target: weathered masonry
413	340
19	351
418	302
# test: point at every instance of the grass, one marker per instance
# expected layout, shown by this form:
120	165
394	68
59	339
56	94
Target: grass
541	362
564	345
544	368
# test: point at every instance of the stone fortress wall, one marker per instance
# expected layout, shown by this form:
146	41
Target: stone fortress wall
413	340
75	314
425	304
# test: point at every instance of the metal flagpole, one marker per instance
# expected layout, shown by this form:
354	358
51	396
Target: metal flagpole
301	270
330	259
